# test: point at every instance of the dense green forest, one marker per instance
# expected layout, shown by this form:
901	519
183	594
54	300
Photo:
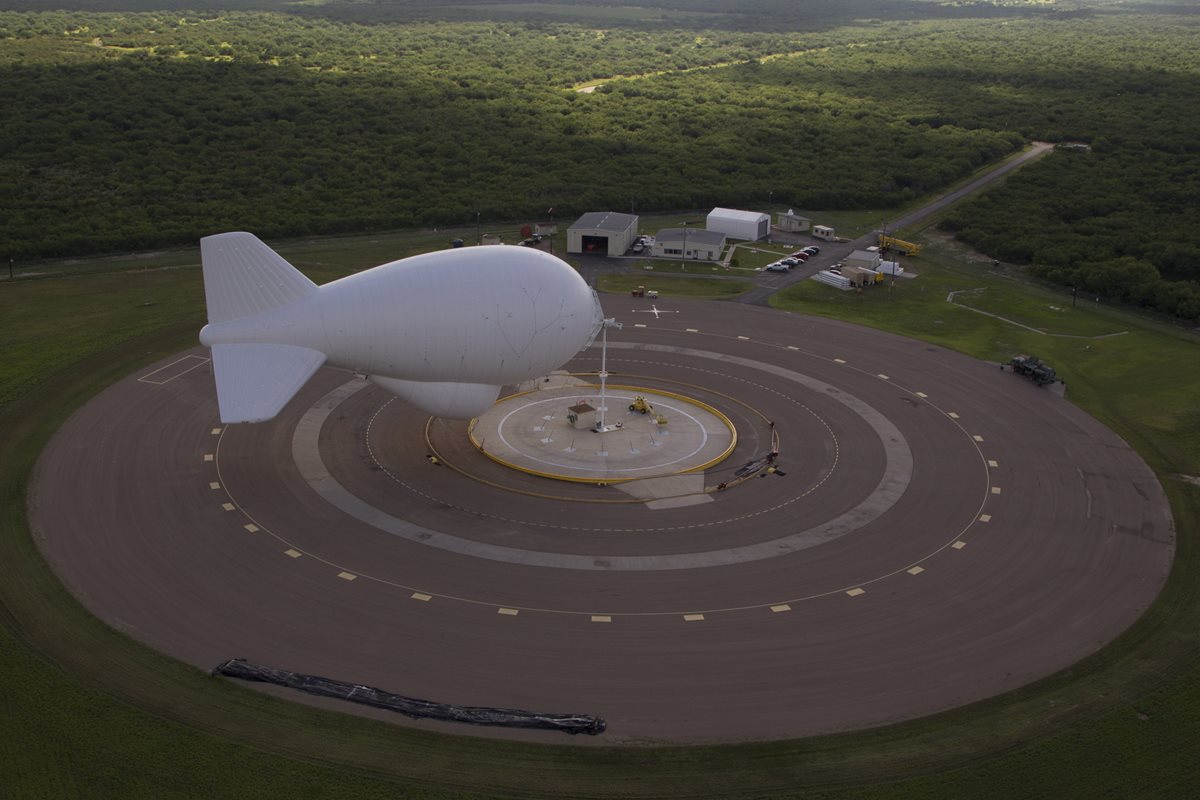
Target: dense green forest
142	128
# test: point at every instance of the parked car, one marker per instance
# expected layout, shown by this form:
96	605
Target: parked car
812	250
777	266
791	262
801	257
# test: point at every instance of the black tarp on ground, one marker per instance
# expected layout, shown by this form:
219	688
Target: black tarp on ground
411	707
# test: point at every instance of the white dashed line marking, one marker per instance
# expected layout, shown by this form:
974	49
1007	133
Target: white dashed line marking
424	598
347	576
916	570
208	456
692	330
214	485
840	360
922	395
881	375
693	617
977	438
952	415
744	338
216	431
985	517
992	463
856	592
601	618
995	490
251	527
292	553
959	545
227	506
508	612
792	347
781	608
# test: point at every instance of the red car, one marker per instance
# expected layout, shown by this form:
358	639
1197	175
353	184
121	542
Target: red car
802	256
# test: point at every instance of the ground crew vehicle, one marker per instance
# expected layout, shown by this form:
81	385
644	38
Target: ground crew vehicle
642	406
1036	370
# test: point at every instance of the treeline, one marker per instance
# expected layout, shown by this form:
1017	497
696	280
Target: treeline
131	131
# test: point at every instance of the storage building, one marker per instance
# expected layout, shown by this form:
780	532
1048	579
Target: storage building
867	259
605	233
749	225
791	222
689	243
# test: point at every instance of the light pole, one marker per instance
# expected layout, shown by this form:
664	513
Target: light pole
478	230
685	252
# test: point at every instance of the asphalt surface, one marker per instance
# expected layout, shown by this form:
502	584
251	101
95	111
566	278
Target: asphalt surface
1023	537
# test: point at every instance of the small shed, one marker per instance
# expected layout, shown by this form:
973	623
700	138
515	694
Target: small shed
823	232
605	233
688	243
577	415
736	224
866	259
791	222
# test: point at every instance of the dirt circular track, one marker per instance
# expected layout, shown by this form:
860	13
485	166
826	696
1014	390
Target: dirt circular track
943	532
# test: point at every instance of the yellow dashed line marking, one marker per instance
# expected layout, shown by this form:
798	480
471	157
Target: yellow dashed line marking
840	360
216	431
985	517
916	570
692	330
347	576
881	375
856	592
227	506
251	527
214	485
781	608
977	438
922	394
424	598
208	456
601	618
508	612
995	490
952	415
292	553
959	545
693	617
992	463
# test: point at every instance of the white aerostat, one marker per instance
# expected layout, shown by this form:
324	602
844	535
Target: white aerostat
444	331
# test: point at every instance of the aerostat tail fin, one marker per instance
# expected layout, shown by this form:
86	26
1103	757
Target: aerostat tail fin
242	276
255	381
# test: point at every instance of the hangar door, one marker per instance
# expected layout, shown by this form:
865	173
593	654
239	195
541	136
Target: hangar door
595	244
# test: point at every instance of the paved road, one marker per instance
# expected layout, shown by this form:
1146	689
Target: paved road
768	283
1026	537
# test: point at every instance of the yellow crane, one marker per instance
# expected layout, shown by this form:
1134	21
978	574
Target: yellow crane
907	248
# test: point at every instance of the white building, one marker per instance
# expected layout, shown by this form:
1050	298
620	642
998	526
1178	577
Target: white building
749	225
689	243
605	233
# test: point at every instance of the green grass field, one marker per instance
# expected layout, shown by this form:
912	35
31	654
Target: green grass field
90	713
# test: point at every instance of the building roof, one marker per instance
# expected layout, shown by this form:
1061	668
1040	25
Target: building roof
693	235
605	221
863	255
794	215
733	213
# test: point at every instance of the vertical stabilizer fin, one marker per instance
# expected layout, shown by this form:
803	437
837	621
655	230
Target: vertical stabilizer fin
242	276
255	381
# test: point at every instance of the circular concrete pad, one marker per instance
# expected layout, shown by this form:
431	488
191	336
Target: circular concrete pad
1022	537
533	432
